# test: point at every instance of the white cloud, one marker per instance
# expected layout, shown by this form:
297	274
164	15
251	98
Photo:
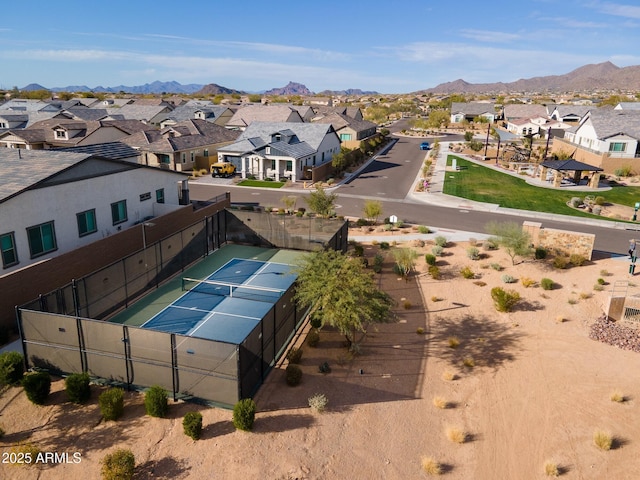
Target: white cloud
489	35
616	9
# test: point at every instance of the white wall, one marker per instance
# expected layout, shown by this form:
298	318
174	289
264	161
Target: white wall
61	203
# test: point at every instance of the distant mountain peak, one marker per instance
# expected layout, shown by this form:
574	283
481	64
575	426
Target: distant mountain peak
292	88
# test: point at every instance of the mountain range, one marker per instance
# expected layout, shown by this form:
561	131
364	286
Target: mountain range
600	76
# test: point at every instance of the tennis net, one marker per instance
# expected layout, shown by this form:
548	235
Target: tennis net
250	292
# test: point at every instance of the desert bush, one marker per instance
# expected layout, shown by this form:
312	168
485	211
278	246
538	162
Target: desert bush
111	403
468	362
575	202
119	465
551	469
577	260
192	425
527	282
430	259
598	288
384	245
387	227
423	229
601	281
294	355
156	402
453	342
617	397
324	367
504	300
603	440
407	305
456	435
547	284
434	271
449	376
508	279
440	241
491	244
435	298
318	402
37	386
604	273
540	253
244	414
473	253
596	210
378	259
585	295
440	402
431	466
420	331
77	387
560	262
437	250
497	267
293	375
11	368
313	338
480	283
466	272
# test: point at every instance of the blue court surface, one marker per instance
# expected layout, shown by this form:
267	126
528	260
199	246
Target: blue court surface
228	304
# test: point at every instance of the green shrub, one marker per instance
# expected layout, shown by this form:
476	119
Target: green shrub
440	241
358	250
504	300
377	268
497	267
434	271
547	284
508	279
318	402
244	414
423	229
77	387
11	368
37	386
313	338
601	281
540	253
575	202
577	260
491	244
430	259
324	367
473	253
378	259
155	402
437	250
384	245
294	355
560	262
361	222
119	465
293	375
111	403
466	272
192	424
599	200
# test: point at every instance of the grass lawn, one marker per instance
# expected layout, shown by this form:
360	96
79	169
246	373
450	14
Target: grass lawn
261	183
481	184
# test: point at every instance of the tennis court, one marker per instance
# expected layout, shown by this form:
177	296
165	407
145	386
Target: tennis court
228	304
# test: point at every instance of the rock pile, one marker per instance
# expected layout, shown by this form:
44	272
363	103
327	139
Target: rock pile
614	334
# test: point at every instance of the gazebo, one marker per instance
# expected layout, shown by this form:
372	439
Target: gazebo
569	165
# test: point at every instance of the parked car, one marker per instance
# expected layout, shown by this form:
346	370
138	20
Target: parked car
222	169
425	146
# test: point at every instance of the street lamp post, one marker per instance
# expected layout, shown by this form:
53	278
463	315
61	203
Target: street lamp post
635	212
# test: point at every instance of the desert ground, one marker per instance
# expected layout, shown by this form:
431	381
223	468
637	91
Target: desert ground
535	390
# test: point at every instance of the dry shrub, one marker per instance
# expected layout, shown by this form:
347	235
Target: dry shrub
440	402
585	295
603	440
528	282
449	376
479	283
456	435
551	469
431	466
617	397
560	319
436	299
454	342
468	362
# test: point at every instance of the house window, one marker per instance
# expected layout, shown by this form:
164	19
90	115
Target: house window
345	137
184	157
3	125
273	164
617	147
289	166
42	239
62	134
145	196
193	157
119	212
8	249
86	222
160	195
206	152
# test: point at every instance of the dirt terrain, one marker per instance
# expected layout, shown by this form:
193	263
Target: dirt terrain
535	389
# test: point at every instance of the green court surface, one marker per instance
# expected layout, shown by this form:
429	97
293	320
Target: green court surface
156	300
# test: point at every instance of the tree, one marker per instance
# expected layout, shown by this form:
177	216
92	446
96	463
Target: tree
512	238
438	119
372	210
322	203
289	202
339	290
405	261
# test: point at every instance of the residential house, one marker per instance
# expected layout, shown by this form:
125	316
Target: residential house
282	149
569	113
178	147
353	112
201	110
244	116
471	110
52	202
350	130
627	106
526	126
605	138
63	132
523	111
151	114
111	151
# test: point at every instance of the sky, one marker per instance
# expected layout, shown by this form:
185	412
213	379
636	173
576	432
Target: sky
252	45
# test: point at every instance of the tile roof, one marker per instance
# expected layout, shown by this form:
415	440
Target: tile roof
111	150
524	111
262	113
339	121
473	108
608	122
